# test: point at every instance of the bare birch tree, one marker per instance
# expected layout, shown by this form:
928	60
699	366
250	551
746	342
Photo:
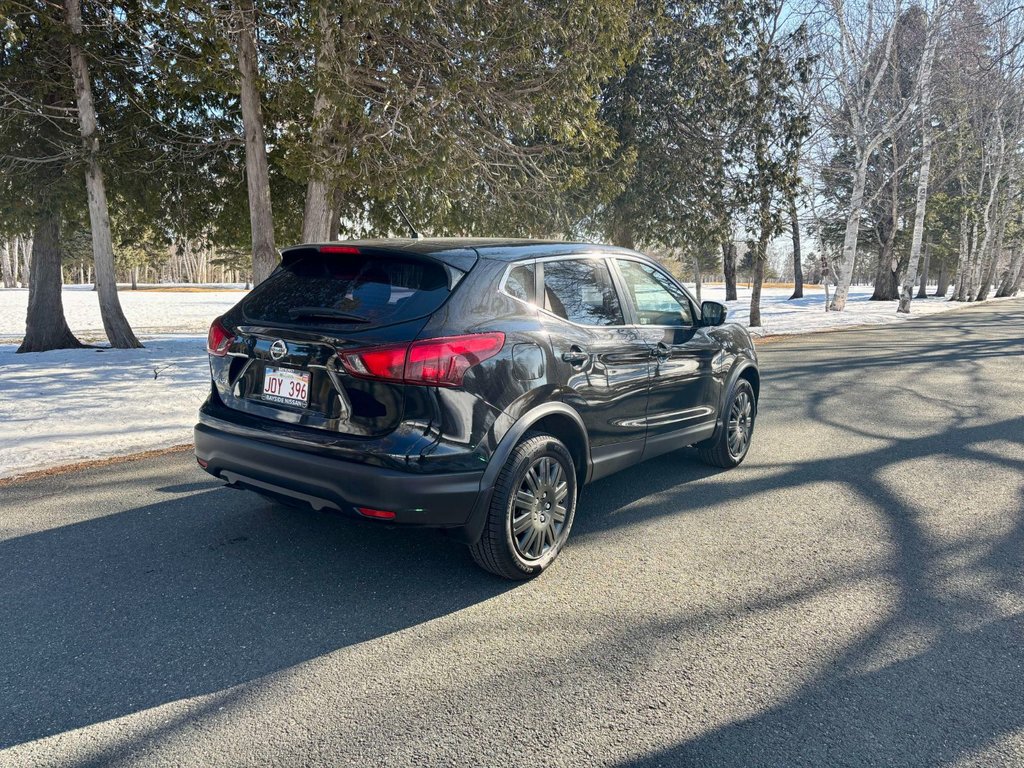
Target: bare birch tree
857	42
910	278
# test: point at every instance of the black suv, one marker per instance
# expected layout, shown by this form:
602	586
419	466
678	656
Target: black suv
471	385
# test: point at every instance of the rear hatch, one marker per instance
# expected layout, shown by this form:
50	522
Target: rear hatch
283	358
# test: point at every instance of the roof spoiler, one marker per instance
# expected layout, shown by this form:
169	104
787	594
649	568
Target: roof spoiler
460	259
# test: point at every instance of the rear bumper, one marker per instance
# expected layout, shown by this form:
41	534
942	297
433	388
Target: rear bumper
440	500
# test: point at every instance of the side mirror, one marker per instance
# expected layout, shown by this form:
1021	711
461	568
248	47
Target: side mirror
712	313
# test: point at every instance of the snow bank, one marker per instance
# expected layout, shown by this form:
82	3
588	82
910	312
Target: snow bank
67	406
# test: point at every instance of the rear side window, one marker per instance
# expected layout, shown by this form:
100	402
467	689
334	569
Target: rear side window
581	290
349	288
522	283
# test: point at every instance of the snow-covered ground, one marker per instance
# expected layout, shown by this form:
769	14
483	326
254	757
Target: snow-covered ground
67	406
151	310
782	317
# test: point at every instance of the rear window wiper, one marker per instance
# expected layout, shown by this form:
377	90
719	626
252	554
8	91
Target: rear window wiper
328	312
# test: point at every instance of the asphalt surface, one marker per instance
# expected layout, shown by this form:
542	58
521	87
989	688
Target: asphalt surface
852	595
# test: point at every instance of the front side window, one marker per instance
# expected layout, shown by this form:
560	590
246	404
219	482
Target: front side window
581	291
657	299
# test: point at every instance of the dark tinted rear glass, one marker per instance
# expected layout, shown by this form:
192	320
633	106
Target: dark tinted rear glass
371	288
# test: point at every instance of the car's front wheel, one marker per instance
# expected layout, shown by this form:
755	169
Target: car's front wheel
531	510
729	447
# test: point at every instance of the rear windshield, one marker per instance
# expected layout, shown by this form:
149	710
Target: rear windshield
360	289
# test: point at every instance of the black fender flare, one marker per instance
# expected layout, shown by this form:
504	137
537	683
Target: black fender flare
471	531
738	368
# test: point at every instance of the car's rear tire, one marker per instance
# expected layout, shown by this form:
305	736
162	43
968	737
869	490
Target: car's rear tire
729	447
531	510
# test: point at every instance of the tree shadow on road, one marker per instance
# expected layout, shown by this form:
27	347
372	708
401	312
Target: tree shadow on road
204	591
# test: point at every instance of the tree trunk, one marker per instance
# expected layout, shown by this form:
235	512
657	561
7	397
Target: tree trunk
798	264
963	256
1015	285
135	278
942	282
907	289
257	174
988	269
334	232
887	287
848	258
316	218
622	235
1016	264
729	268
989	273
696	277
115	324
760	257
922	290
757	279
5	263
16	259
27	248
45	326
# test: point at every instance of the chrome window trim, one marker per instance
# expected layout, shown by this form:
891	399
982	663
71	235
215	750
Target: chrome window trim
569	257
647	261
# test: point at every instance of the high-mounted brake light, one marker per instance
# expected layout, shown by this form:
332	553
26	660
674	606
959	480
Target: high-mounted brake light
349	249
440	362
219	339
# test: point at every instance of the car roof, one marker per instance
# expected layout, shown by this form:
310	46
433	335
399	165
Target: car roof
501	248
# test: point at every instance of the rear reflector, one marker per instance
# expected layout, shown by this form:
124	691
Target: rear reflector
440	362
202	462
349	249
377	514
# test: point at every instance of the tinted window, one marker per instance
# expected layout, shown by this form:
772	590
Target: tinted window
377	289
522	283
581	290
657	299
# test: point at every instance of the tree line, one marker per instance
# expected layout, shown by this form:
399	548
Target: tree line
888	133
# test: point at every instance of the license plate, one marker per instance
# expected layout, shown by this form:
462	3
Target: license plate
286	386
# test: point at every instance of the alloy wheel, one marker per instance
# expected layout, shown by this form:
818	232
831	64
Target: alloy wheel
741	424
539	508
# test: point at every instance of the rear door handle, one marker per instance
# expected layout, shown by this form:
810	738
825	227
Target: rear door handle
575	356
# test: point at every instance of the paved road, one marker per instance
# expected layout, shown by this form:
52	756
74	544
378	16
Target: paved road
852	595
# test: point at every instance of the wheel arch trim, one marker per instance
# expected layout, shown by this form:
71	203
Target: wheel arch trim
474	525
735	374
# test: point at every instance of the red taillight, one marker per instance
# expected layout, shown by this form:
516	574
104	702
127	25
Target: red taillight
219	339
377	362
440	362
443	362
377	514
349	249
